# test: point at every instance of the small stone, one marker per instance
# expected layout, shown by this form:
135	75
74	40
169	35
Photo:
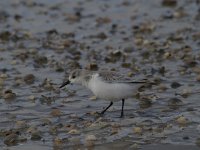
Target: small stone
47	84
9	95
169	15
167	55
162	70
56	112
198	78
41	60
53	130
103	20
115	129
18	81
196	70
174	103
14	62
21	124
162	88
3	76
138	41
67	43
75	140
146	42
72	17
31	97
46	121
191	63
126	65
11	139
22	139
135	146
190	109
93	98
129	49
186	138
31	129
145	102
169	3
5	36
90	140
92	66
35	136
101	36
137	130
29	79
198	142
185	93
180	13
181	120
130	74
116	53
1	82
57	141
175	85
74	131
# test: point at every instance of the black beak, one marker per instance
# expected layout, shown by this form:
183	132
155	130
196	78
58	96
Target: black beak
65	83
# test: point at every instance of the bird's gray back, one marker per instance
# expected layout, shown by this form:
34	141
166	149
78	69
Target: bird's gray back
113	77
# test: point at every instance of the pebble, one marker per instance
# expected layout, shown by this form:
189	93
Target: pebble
115	129
58	141
1	82
29	79
167	55
174	103
31	129
36	135
56	112
135	146
75	140
74	131
169	3
31	97
198	78
175	85
11	139
198	142
137	130
181	120
90	140
9	95
21	124
93	98
3	76
162	88
46	121
92	66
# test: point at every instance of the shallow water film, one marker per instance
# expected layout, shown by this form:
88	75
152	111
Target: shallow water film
42	41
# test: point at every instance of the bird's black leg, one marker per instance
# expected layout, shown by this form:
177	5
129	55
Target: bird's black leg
122	111
106	108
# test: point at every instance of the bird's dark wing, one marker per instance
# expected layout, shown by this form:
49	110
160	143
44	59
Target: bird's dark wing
113	77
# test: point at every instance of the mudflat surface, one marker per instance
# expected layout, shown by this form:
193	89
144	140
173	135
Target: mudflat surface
42	41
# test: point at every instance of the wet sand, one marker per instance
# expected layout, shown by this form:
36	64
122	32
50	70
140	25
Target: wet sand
42	41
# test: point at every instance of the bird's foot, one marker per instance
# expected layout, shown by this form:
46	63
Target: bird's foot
122	115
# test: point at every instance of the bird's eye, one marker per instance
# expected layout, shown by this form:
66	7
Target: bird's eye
73	77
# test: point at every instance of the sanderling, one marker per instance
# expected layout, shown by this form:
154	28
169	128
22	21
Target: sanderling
106	85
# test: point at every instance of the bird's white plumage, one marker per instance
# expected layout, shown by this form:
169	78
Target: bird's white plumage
109	91
106	85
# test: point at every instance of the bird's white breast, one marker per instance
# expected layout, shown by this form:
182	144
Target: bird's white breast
109	91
